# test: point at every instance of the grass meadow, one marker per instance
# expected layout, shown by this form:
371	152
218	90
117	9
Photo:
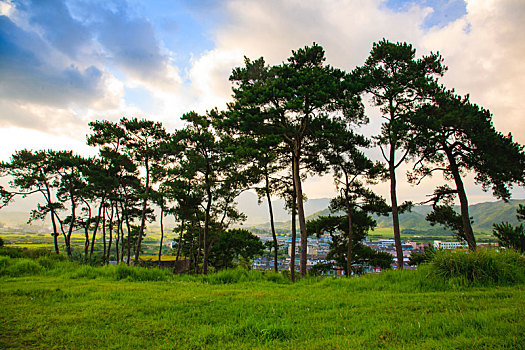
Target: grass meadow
452	303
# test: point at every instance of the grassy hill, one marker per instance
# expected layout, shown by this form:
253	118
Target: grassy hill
48	304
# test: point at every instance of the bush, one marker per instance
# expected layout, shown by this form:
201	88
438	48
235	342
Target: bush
50	261
33	253
21	267
480	267
422	258
5	261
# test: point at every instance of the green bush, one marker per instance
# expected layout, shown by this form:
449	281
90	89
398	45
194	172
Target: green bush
21	267
480	267
5	261
50	261
33	253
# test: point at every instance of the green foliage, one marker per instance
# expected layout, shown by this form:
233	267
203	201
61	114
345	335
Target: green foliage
234	244
337	227
446	216
521	212
453	135
19	267
30	253
509	236
416	259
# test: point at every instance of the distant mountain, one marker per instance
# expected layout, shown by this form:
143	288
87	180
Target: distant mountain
257	213
484	215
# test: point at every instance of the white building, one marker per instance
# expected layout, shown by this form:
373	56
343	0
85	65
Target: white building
449	245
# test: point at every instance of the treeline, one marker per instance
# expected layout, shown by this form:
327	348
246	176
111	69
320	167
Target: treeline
285	122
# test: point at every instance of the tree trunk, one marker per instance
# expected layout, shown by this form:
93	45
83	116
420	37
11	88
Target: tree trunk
200	243
119	230
86	231
300	211
274	236
86	242
104	234
71	224
294	238
180	240
110	232
143	214
206	224
465	217
161	232
350	240
128	227
97	223
192	248
53	221
395	210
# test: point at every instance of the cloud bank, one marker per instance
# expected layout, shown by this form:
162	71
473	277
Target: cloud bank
64	63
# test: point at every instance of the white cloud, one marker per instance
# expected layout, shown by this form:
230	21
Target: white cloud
484	50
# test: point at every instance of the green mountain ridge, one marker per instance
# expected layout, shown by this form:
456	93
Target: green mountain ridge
484	215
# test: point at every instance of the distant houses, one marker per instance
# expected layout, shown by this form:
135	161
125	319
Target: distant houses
318	249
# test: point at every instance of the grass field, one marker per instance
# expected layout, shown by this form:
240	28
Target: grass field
57	304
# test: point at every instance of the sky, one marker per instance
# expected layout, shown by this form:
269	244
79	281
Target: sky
64	63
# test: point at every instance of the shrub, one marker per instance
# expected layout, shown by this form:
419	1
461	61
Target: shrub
33	253
5	261
50	261
422	258
21	267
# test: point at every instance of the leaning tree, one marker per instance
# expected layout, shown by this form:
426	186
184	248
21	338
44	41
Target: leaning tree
455	136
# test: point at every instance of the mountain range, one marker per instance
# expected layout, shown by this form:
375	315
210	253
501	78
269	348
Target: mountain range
484	214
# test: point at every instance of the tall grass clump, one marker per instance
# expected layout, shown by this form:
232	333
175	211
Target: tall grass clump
479	268
137	273
237	275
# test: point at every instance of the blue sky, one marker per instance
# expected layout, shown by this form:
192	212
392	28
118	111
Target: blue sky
443	13
64	63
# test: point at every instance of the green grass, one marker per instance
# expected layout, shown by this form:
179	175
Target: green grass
50	303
